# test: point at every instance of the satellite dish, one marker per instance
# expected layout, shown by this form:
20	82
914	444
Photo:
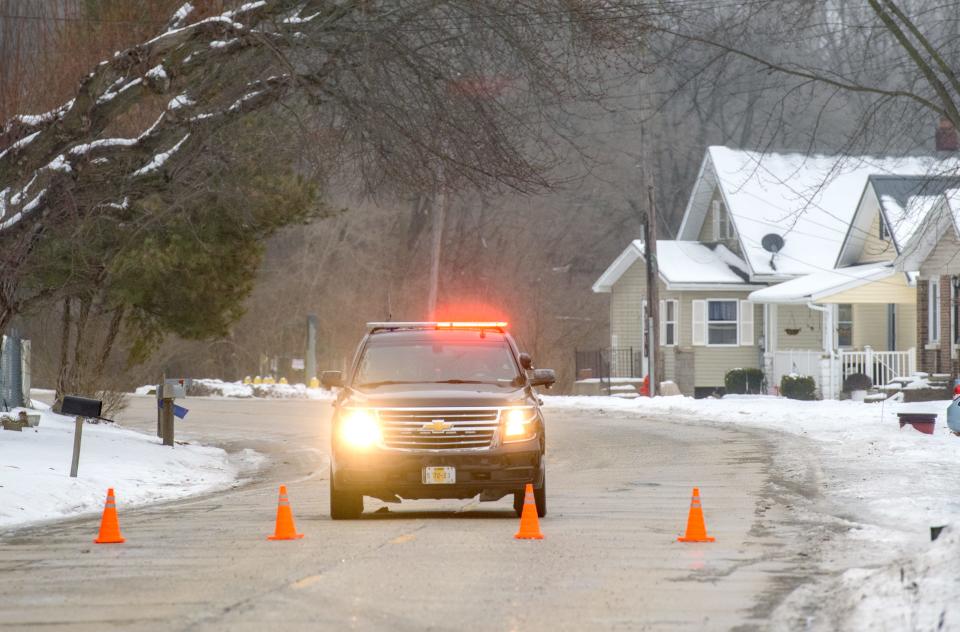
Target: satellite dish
772	242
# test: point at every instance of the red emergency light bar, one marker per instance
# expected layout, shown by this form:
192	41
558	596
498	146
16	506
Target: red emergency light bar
472	325
501	325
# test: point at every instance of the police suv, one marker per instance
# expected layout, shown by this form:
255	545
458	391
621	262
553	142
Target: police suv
437	410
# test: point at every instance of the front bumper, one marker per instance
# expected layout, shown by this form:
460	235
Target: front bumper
492	473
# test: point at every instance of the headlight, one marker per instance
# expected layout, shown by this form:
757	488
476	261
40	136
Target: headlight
519	423
359	428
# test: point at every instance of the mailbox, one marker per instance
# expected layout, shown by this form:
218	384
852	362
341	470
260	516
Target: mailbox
173	391
81	406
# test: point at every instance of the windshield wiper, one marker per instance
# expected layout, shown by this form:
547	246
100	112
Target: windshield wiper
384	383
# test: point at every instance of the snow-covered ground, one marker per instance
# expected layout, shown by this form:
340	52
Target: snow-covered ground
219	388
897	483
35	483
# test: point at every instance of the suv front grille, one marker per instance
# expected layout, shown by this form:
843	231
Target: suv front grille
438	428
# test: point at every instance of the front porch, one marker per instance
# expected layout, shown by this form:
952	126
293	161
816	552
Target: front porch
830	370
859	320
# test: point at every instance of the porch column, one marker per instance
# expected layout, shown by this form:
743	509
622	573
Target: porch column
770	325
773	328
945	365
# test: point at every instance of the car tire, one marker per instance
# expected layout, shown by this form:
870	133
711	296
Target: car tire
344	505
539	497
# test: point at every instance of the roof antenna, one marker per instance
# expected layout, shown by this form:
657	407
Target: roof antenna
772	243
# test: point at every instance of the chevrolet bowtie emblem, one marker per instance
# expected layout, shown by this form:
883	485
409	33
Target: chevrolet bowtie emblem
437	425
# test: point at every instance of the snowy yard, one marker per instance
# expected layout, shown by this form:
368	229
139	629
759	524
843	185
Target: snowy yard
35	483
219	388
897	483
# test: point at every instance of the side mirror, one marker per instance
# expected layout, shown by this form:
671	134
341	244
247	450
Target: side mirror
331	379
526	361
543	377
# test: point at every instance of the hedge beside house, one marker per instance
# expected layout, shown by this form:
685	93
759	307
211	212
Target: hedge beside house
798	387
743	382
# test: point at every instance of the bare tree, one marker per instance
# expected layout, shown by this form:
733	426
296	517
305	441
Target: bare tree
385	88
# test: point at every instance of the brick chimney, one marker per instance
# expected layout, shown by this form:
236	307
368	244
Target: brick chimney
946	136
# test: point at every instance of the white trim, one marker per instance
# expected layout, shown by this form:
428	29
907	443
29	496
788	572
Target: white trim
953	314
615	270
707	287
664	322
933	310
746	333
693	194
715	220
698	322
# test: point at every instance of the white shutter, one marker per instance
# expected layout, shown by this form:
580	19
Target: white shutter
663	323
716	220
699	323
746	323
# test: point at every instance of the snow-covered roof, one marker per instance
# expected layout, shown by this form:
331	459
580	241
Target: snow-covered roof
808	200
812	287
906	200
943	216
682	265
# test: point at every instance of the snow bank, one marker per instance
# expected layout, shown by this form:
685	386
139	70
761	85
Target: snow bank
35	481
918	593
219	388
906	479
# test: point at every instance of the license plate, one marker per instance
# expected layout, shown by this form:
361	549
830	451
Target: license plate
439	475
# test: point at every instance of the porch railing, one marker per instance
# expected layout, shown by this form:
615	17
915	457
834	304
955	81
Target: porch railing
879	366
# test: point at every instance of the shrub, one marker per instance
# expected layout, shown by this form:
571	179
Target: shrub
798	387
744	382
857	382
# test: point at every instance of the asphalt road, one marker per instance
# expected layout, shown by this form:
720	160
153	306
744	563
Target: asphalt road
618	495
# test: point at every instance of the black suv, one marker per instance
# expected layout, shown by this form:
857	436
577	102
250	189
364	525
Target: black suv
436	410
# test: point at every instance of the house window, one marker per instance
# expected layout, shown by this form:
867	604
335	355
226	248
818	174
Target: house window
933	310
669	335
722	323
845	325
955	310
884	232
722	226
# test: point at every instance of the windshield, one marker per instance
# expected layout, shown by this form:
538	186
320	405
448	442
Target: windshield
437	360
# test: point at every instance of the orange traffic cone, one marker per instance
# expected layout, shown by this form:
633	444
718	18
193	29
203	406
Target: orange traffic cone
285	529
109	525
529	523
696	528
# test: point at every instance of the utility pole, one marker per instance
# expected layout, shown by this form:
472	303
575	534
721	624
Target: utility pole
439	215
310	357
653	292
649	225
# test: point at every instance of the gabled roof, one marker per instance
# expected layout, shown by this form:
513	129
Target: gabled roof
682	265
942	217
903	203
807	200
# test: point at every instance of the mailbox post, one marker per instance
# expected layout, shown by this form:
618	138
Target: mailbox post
166	417
170	390
77	433
81	407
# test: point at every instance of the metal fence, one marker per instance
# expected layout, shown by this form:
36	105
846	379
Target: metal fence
11	372
604	364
